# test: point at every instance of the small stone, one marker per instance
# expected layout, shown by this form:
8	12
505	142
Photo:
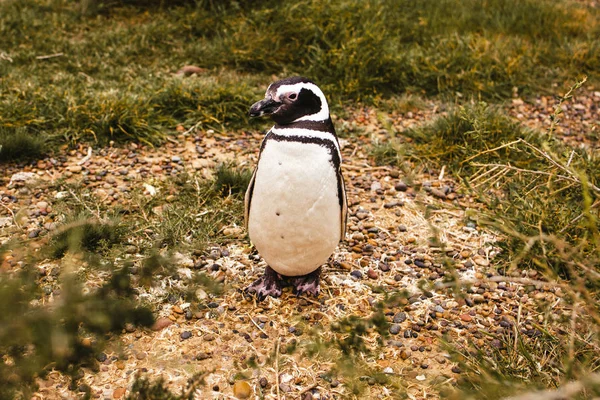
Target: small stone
161	324
388	370
356	274
33	234
358	236
372	274
185	335
118	393
456	369
399	317
438	193
140	355
177	310
466	317
395	329
401	186
101	357
402	228
175	159
263	382
482	261
346	265
285	387
242	390
74	168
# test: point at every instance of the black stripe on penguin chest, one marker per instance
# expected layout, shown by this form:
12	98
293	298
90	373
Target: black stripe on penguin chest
325	143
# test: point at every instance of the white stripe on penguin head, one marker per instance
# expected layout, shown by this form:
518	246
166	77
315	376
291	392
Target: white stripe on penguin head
323	113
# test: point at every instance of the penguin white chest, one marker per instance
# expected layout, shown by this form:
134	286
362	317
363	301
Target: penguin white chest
295	216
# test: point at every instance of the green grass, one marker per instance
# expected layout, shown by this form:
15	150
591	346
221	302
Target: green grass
20	145
108	74
541	196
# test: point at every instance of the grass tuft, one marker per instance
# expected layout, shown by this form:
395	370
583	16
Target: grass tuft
231	180
20	145
85	235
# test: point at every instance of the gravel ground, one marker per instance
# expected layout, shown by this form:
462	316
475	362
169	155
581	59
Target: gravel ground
389	245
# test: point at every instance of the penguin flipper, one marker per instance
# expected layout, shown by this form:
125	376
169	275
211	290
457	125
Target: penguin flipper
248	199
343	203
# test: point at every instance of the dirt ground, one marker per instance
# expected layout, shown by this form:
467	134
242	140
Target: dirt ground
390	246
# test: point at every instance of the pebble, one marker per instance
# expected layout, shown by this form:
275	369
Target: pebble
358	236
399	317
119	392
438	193
401	186
372	274
161	323
346	265
465	317
242	390
75	168
395	329
176	309
482	261
185	335
356	274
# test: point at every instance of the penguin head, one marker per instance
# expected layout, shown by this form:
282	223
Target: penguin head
291	100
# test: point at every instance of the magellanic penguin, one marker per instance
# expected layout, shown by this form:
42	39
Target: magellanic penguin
296	201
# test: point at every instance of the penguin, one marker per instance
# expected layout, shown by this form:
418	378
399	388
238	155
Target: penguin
295	204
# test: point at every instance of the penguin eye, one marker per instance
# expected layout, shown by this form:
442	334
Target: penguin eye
293	96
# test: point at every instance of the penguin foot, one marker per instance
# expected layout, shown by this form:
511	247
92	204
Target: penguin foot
306	284
270	284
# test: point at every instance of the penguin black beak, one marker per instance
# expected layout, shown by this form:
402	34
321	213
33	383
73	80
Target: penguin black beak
264	106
